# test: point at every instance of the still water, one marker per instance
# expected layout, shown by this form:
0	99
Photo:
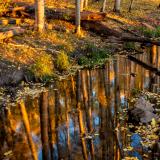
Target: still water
75	118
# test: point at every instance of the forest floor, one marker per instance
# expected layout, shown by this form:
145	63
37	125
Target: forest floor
59	51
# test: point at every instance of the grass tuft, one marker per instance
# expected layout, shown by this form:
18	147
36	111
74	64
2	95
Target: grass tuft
62	61
43	66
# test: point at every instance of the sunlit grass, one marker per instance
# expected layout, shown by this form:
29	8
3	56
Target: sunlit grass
43	66
62	61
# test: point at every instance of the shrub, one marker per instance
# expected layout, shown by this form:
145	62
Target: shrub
151	33
93	56
62	61
43	66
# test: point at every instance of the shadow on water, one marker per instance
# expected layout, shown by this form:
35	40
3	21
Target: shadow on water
77	119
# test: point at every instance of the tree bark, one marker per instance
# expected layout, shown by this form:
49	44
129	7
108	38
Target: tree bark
117	5
44	125
82	5
130	6
78	17
28	131
80	117
104	6
39	15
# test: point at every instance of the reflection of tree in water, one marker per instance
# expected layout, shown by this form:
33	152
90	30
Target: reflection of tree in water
78	117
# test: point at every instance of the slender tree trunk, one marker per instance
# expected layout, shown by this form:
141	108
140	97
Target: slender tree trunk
116	90
78	17
27	129
89	84
130	6
85	3
67	120
117	5
51	121
57	114
102	105
44	125
154	55
104	6
80	118
82	5
85	97
39	15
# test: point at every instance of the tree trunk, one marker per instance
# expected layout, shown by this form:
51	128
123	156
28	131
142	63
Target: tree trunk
27	129
117	5
80	117
104	6
39	15
85	3
67	107
44	125
130	6
57	118
78	17
82	5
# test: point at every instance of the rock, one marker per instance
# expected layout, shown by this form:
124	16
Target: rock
141	112
10	74
144	105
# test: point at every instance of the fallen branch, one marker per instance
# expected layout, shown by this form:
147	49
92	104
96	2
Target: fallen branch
101	28
11	33
54	13
147	66
140	39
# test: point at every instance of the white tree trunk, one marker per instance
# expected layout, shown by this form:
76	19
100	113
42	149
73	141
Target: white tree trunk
78	16
39	15
104	6
117	5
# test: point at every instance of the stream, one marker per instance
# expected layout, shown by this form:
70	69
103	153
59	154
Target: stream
76	118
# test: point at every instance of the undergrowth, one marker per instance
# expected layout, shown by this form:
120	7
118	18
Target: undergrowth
43	67
62	61
93	56
155	33
150	33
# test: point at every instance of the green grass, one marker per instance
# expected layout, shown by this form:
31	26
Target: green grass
93	56
62	61
43	67
150	33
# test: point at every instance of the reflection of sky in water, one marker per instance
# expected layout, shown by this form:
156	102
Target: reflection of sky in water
93	93
19	126
35	138
62	135
124	102
40	154
71	126
146	82
96	120
61	101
